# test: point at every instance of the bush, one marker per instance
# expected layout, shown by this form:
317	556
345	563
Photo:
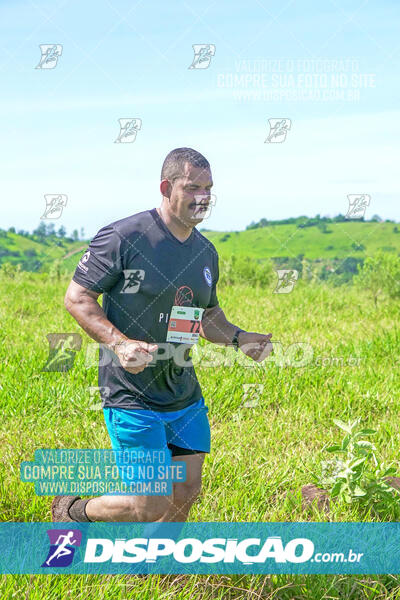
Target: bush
9	270
358	247
356	474
350	265
30	252
245	270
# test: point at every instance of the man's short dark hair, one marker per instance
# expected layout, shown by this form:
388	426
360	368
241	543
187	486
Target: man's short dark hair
175	161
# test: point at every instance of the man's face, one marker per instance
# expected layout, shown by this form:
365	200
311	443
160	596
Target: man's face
191	194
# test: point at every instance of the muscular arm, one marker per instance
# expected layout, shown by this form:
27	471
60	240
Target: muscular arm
215	327
82	304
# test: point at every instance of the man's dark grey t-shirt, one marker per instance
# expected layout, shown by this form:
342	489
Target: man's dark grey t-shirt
143	270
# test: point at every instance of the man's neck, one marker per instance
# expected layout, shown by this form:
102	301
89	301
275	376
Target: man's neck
176	227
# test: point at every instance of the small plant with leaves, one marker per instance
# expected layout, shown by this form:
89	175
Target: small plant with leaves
355	473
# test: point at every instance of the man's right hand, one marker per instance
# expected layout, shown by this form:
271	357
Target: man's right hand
134	355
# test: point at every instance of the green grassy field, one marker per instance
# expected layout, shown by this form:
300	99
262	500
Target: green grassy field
257	455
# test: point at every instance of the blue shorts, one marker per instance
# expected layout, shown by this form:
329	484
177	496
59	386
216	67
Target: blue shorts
185	431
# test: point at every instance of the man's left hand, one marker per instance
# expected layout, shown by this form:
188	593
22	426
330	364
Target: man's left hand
255	345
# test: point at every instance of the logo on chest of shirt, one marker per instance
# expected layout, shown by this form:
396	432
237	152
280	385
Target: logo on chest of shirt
183	296
207	276
133	279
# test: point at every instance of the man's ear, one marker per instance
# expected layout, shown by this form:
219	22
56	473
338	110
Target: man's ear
165	188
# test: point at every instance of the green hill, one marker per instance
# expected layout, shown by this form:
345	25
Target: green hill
36	254
286	244
349	239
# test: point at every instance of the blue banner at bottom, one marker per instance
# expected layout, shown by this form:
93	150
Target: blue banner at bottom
207	548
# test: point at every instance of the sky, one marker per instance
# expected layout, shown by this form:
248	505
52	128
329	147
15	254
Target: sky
327	72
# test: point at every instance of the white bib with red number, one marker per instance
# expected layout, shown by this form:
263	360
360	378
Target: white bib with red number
184	324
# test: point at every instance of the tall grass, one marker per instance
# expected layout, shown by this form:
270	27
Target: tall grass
258	454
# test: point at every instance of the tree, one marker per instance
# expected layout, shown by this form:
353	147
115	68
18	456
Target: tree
41	231
252	225
50	229
380	274
322	226
62	232
75	235
82	233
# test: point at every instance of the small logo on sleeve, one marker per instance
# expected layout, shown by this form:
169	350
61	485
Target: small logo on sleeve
84	259
207	276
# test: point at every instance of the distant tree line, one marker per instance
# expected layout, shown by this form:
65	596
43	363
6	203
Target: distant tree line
317	221
46	233
30	259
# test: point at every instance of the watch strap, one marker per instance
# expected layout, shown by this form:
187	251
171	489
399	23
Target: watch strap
235	339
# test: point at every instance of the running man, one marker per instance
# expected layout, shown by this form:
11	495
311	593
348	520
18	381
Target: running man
154	399
62	549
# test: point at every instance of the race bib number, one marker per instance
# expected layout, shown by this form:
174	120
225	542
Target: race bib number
184	324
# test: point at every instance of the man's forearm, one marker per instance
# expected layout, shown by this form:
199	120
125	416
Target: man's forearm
216	328
91	317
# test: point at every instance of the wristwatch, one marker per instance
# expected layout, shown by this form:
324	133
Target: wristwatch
235	339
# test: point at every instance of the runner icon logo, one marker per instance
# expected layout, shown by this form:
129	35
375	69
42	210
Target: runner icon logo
203	54
50	54
62	350
55	203
62	550
128	129
133	279
278	129
286	280
358	204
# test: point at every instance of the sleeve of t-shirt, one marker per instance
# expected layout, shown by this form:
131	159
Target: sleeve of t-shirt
101	265
215	276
